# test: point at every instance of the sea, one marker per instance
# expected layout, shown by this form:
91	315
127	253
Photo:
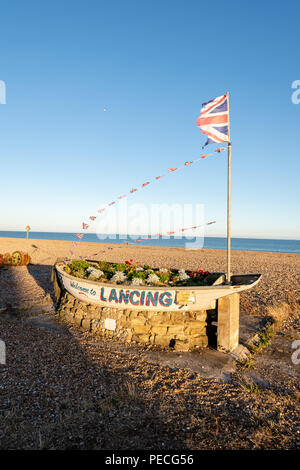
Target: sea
216	243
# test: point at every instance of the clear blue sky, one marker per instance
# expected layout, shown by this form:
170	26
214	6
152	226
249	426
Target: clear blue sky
151	64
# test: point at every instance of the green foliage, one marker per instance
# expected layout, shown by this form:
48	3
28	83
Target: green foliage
164	277
264	340
253	388
139	275
104	265
120	266
79	265
110	272
148	272
247	363
78	268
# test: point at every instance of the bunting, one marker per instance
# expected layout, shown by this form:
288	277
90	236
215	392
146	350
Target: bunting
126	243
134	190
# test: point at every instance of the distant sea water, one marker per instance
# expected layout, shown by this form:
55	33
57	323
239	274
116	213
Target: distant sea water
216	243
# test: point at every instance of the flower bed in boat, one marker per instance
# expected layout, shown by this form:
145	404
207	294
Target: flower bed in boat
130	274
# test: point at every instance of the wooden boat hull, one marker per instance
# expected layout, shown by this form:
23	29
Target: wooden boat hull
193	298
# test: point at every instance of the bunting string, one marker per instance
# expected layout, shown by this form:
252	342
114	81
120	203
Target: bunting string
126	243
92	218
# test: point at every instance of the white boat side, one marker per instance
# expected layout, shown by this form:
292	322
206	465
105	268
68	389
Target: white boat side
166	298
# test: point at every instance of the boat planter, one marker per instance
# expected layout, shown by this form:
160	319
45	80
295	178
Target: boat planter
178	317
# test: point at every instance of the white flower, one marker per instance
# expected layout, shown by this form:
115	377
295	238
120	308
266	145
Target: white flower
119	277
182	275
93	272
139	269
164	270
137	282
152	279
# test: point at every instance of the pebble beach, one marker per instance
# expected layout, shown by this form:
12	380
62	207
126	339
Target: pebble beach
280	280
65	388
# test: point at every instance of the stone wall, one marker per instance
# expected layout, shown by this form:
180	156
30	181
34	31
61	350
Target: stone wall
182	331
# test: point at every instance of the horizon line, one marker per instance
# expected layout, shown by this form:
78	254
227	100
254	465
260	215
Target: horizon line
153	235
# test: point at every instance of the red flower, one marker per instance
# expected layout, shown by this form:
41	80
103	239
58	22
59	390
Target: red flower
129	263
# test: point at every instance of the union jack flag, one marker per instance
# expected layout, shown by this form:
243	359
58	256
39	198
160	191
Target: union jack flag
214	119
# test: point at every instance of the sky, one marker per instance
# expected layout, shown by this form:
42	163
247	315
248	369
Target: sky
103	96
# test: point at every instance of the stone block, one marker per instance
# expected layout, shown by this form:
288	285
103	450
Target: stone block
78	320
95	325
106	311
181	346
86	324
69	314
196	324
198	342
201	316
161	316
140	329
177	317
128	336
195	330
123	323
93	315
163	341
138	321
134	314
159	330
140	338
176	329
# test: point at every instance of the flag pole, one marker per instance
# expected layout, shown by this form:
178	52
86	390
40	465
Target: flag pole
228	276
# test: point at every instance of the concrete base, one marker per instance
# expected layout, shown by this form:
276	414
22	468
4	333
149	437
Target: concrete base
228	322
